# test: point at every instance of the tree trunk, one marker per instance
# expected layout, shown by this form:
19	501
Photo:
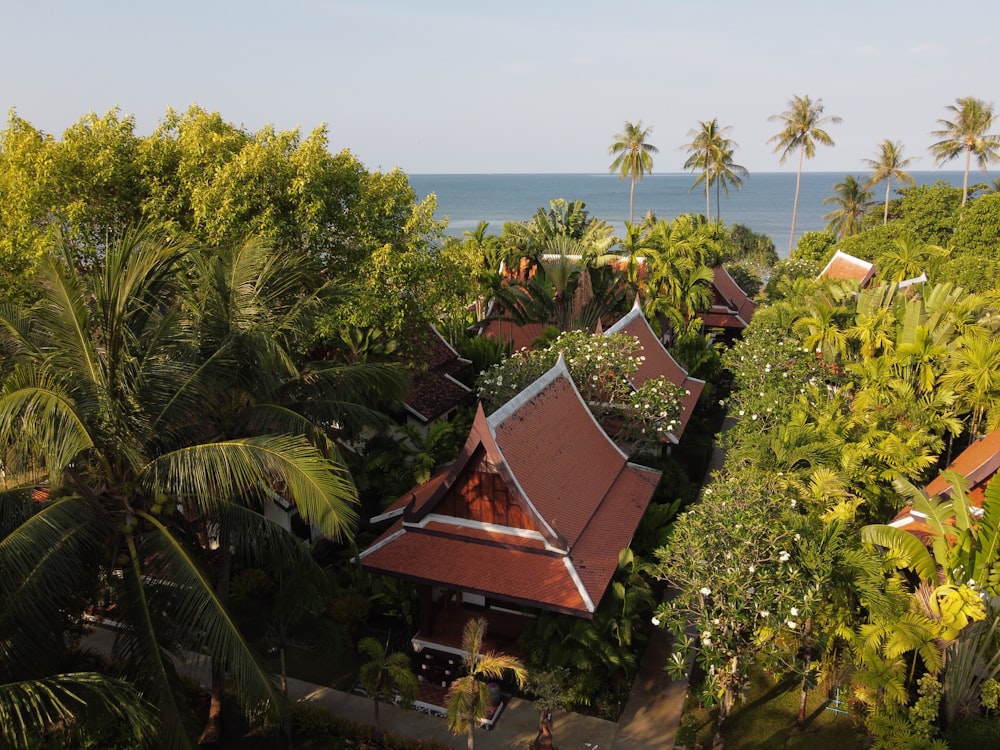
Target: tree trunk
631	198
800	722
795	205
888	188
284	670
472	737
378	720
212	733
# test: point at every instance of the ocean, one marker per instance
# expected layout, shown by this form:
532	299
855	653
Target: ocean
764	203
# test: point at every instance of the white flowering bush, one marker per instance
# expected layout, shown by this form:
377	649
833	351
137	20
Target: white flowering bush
602	368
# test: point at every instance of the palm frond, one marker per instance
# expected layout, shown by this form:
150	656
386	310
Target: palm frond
236	470
903	543
30	709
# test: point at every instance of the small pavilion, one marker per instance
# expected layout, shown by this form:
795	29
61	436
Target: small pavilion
531	516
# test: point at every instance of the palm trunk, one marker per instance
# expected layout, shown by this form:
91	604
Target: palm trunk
472	737
795	205
378	720
212	733
965	179
708	199
888	188
284	670
631	201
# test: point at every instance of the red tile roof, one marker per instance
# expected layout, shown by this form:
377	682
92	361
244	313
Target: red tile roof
845	266
978	464
581	499
731	294
435	390
659	363
520	336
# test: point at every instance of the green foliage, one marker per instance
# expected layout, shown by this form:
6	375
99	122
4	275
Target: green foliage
817	247
930	212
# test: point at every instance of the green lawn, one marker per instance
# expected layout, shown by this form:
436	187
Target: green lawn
767	720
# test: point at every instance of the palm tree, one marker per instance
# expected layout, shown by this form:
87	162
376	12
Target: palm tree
711	153
727	173
968	132
633	157
62	704
708	140
108	391
852	200
468	697
384	674
802	129
888	164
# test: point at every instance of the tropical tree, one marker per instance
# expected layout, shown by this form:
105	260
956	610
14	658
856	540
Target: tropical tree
468	697
62	706
889	163
633	157
968	133
711	153
851	200
802	129
727	174
108	394
385	674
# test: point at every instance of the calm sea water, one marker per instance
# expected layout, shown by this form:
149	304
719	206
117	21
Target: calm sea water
764	203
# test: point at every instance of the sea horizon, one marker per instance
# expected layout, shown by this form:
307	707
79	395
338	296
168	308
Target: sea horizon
764	203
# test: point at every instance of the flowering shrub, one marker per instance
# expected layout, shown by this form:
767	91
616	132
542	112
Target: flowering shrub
602	368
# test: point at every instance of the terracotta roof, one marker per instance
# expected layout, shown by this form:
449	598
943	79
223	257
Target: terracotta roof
978	464
574	498
731	294
845	266
434	391
659	363
520	336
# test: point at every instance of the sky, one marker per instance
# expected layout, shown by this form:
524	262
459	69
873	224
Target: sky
514	86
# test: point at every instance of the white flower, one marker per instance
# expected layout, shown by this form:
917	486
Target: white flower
794	611
783	556
715	621
705	591
753	569
656	621
764	613
792	624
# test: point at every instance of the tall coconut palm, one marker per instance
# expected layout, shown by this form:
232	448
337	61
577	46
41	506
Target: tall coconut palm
852	200
711	153
108	393
468	697
633	157
968	133
802	128
727	174
889	163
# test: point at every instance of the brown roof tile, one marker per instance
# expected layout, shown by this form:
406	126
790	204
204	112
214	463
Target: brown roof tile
553	458
659	363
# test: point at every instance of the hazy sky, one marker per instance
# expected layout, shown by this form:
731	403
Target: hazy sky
511	86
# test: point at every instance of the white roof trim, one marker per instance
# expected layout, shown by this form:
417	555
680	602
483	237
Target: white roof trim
459	383
388	515
495	528
635	312
379	545
587	601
